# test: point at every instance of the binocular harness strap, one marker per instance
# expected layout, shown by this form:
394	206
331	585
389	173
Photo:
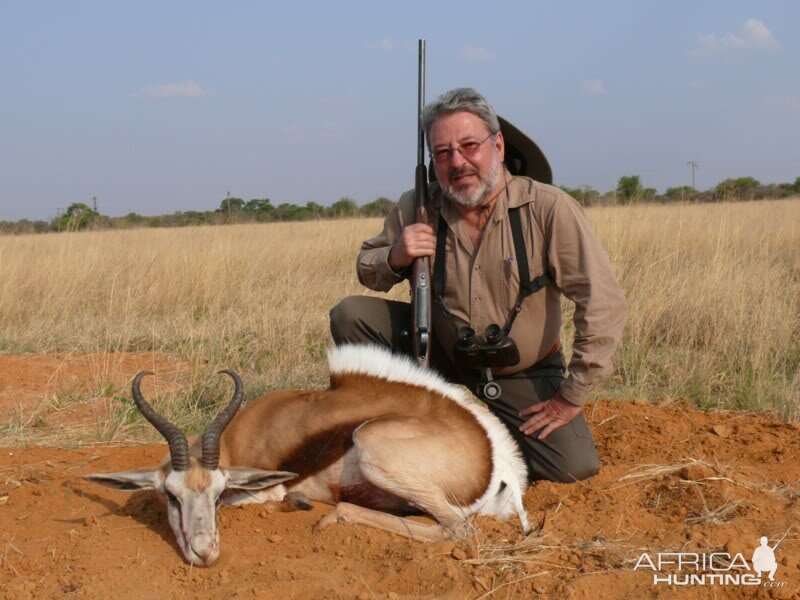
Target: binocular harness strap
526	285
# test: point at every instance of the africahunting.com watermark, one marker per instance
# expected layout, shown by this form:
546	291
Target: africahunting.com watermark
713	568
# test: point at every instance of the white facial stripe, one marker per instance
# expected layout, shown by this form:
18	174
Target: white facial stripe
193	514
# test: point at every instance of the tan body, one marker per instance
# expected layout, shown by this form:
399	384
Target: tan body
386	439
408	431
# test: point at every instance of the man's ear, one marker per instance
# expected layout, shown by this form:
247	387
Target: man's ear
242	478
129	481
500	144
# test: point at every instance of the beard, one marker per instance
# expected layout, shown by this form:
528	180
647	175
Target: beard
478	196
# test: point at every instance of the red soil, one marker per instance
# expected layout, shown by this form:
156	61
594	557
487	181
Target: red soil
61	536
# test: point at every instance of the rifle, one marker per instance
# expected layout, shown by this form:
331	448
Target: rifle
421	268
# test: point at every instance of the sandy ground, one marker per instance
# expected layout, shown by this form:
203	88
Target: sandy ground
673	480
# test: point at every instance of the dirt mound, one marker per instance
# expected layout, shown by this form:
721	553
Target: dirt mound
673	479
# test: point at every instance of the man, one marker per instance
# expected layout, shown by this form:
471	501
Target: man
473	196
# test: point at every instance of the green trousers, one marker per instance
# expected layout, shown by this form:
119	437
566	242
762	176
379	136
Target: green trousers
567	455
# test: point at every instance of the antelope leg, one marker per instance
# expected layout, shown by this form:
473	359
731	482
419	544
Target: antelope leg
344	512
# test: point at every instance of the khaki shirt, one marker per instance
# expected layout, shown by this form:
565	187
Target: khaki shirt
482	286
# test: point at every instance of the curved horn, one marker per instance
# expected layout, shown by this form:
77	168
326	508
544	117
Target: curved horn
178	446
210	459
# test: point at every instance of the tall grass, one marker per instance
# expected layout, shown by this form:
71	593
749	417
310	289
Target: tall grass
713	292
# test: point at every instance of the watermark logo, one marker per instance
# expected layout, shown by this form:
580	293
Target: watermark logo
714	568
764	559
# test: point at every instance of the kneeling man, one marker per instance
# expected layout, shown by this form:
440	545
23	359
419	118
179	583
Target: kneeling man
488	224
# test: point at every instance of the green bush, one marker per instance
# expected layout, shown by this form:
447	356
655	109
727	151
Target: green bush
629	187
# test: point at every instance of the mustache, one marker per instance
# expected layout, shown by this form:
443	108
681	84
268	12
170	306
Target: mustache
460	171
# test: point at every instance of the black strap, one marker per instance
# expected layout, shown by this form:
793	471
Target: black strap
439	275
526	285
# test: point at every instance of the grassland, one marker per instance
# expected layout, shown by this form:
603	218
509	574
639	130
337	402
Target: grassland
713	291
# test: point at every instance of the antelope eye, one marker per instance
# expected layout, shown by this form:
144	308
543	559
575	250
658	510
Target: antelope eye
171	497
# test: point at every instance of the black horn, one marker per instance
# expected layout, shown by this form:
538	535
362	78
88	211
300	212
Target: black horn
210	459
178	446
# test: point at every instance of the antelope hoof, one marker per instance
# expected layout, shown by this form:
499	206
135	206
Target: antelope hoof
330	519
297	501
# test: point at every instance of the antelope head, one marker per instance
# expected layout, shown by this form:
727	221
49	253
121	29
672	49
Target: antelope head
193	489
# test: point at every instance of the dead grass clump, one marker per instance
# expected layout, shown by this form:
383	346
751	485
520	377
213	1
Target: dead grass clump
724	513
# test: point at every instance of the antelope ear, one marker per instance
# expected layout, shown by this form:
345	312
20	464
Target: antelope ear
129	481
242	478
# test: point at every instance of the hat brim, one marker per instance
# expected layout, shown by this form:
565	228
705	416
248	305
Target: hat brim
522	155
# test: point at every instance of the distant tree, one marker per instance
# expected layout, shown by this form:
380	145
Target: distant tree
134	219
629	188
291	212
680	192
24	226
315	210
344	207
260	209
379	207
796	185
258	205
736	188
77	216
648	193
231	205
584	195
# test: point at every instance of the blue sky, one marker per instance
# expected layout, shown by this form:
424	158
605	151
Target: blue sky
155	107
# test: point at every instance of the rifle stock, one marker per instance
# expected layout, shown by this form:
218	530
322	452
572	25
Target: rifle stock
421	269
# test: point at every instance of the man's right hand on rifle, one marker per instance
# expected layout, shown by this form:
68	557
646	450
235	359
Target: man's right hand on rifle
416	240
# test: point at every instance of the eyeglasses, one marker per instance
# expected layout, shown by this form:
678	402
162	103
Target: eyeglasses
467	150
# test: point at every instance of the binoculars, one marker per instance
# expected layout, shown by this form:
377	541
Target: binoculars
494	349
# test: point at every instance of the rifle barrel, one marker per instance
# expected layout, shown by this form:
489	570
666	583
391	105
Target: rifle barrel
421	104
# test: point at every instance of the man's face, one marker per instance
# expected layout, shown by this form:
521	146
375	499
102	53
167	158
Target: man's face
468	180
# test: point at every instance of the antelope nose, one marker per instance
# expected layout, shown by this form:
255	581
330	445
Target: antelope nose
205	547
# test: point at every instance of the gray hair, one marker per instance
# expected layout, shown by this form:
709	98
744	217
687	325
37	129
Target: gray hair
460	100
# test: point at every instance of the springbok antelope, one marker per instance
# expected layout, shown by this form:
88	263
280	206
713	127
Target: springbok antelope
385	437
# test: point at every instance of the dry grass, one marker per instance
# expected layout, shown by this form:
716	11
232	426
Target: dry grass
713	291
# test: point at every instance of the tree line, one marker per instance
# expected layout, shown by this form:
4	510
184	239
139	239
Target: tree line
629	190
79	216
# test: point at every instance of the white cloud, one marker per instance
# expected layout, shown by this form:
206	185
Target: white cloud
385	44
178	89
594	87
476	54
754	35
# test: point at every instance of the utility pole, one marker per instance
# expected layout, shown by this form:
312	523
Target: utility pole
692	166
94	203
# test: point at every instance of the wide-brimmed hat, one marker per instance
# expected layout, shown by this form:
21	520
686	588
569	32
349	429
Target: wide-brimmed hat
523	156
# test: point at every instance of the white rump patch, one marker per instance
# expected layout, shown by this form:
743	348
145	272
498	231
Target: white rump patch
508	465
377	361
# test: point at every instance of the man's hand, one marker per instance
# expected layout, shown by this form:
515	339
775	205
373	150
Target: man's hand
548	416
417	240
